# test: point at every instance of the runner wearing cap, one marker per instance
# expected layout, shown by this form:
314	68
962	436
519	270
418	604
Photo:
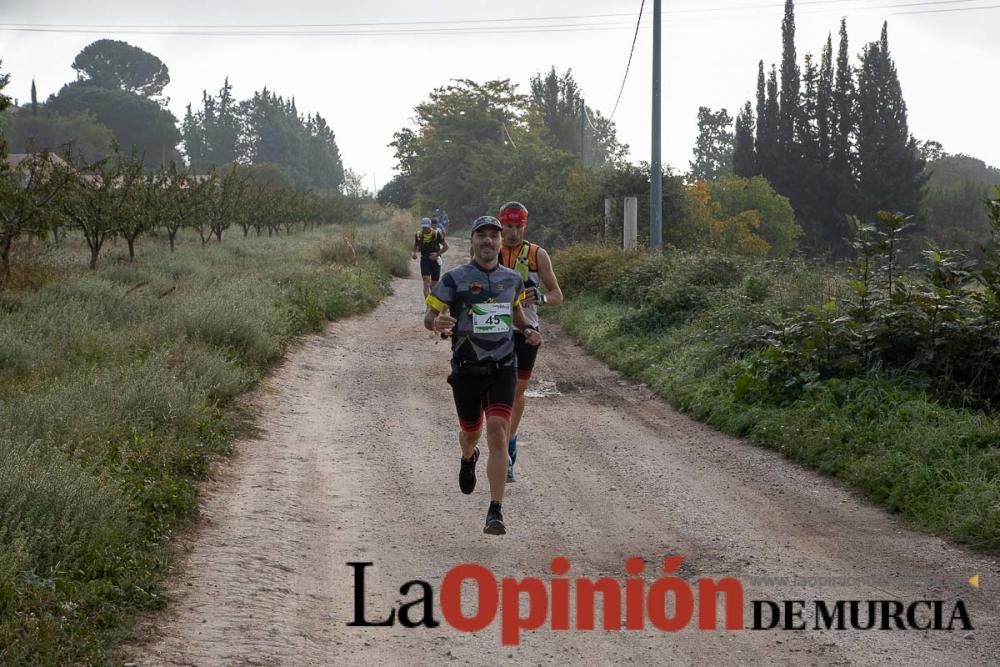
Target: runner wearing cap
431	244
534	266
478	304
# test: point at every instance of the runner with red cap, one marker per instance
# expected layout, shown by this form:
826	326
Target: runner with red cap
534	266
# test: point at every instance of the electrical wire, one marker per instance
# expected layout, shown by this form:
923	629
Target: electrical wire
566	23
629	65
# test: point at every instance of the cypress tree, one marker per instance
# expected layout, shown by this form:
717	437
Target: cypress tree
744	158
761	137
34	99
890	170
844	122
806	124
767	152
824	100
789	104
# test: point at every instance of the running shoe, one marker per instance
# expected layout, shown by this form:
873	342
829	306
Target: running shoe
467	473
494	522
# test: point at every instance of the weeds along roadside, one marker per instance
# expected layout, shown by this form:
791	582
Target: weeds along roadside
116	392
739	344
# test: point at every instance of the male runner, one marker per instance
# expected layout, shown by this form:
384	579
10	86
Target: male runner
478	304
431	244
533	264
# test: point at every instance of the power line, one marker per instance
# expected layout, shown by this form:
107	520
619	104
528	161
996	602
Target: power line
469	26
629	65
937	11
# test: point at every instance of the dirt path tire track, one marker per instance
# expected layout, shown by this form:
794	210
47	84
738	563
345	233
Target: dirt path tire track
357	458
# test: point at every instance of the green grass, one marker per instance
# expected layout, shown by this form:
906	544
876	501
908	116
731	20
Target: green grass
680	323
116	393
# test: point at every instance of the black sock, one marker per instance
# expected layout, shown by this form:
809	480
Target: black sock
494	505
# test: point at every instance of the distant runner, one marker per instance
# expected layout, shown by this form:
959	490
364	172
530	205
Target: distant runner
533	264
442	218
478	303
431	244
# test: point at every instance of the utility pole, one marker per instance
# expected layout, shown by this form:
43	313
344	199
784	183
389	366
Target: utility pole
583	130
656	170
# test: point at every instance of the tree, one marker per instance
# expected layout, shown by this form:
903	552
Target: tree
777	225
27	191
397	192
768	156
825	116
148	208
744	155
224	202
34	99
789	109
213	135
931	150
4	103
460	140
890	170
713	150
842	159
323	163
951	212
97	197
558	102
120	66
28	133
185	201
4	80
266	189
138	123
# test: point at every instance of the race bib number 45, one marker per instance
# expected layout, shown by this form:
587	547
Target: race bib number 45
491	318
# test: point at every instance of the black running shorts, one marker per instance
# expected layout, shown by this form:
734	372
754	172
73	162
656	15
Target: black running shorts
476	394
430	267
526	355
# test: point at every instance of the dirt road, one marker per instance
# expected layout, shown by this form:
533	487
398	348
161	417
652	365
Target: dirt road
356	459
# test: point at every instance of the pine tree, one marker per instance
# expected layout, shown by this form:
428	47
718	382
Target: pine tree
34	99
744	157
890	170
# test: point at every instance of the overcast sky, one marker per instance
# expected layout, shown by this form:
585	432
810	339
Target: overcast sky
366	86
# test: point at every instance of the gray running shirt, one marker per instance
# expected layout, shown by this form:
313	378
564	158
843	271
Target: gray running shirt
467	285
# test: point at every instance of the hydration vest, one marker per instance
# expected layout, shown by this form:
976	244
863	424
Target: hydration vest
525	262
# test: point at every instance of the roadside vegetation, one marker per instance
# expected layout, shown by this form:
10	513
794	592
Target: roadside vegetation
884	377
118	388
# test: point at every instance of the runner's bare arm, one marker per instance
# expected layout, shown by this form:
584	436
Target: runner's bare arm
553	294
533	337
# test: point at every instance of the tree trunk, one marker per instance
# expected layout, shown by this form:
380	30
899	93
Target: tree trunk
131	248
95	250
172	235
5	255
